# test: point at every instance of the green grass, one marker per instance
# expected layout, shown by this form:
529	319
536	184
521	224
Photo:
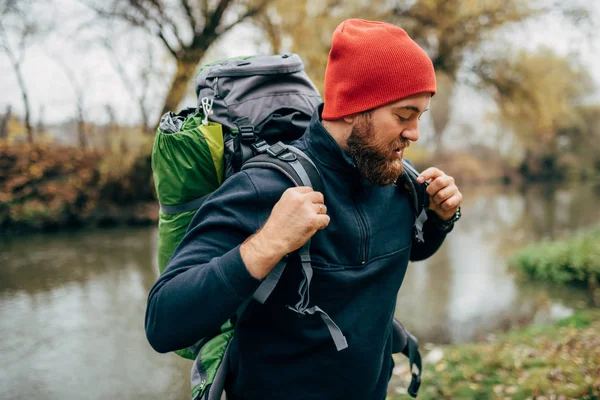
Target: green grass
532	363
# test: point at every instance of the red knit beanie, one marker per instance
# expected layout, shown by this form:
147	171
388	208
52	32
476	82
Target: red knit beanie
372	64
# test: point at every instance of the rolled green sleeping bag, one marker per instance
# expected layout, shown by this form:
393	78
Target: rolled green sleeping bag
187	164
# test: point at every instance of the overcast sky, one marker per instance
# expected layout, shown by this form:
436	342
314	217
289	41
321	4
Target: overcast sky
50	88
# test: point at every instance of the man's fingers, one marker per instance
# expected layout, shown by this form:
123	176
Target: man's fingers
303	194
321	208
300	189
429	173
316	197
323	221
440	183
452	202
444	195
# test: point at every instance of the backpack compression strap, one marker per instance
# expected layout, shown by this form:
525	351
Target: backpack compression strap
405	343
299	169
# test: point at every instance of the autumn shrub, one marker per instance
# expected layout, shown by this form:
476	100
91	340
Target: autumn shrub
44	187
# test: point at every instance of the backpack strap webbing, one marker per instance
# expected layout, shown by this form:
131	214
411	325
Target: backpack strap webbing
405	343
301	170
419	196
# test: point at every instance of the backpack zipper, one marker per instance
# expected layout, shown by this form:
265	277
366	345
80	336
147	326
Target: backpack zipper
217	96
286	69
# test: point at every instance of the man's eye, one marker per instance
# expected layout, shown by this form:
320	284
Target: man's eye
402	119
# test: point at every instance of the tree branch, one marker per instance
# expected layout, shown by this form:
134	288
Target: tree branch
251	12
135	21
161	16
213	20
190	14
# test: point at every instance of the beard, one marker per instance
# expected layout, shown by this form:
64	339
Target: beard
375	161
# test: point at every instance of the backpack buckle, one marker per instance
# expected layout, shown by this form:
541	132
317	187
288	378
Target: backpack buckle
260	146
247	132
276	149
415	384
280	151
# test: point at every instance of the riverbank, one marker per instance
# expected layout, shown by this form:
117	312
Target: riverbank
44	188
559	361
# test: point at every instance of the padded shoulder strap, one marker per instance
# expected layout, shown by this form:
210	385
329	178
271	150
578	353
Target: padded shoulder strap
301	171
291	162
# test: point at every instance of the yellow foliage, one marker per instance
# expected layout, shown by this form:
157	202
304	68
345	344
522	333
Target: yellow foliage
537	94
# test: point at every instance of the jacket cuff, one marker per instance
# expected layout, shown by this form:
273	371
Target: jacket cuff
235	274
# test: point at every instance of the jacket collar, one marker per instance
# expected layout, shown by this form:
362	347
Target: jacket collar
323	147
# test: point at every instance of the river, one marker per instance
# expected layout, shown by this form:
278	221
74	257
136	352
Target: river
72	303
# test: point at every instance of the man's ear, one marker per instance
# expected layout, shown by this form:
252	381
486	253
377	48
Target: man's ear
350	119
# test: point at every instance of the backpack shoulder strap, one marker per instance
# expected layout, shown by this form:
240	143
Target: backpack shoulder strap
291	162
300	169
419	195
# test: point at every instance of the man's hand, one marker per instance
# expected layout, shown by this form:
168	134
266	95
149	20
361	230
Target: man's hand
444	196
296	217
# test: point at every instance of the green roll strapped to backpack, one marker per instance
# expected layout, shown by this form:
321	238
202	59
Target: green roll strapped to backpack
187	164
256	105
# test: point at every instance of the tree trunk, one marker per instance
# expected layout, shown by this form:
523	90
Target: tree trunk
186	69
4	123
146	128
40	129
81	135
25	97
440	106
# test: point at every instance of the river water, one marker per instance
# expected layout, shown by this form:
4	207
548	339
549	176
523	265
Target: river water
72	304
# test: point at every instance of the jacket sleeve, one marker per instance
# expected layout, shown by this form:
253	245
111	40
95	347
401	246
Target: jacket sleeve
205	280
434	237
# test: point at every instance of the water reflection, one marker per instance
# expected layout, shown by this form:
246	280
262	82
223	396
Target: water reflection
465	291
72	304
71	319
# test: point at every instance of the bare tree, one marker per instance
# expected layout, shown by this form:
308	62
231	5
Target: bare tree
40	129
187	28
17	25
78	90
138	89
110	127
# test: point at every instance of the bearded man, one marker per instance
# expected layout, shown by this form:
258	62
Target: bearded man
378	83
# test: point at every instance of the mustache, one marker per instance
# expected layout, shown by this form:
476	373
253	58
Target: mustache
401	144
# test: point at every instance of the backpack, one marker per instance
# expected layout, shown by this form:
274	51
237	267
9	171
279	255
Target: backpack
249	110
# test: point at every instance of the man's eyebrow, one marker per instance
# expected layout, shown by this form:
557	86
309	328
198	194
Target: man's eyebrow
412	108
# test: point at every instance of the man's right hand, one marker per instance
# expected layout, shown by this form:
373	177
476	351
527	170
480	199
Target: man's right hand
296	217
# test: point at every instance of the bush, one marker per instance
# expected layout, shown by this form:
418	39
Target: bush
47	187
573	261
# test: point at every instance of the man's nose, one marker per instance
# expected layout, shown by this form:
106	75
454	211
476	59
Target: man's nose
411	132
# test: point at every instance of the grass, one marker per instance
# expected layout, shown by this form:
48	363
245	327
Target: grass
560	361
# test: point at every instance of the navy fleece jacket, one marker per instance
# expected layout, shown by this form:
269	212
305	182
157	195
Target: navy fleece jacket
359	262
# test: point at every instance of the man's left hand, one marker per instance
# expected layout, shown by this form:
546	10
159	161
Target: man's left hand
444	196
